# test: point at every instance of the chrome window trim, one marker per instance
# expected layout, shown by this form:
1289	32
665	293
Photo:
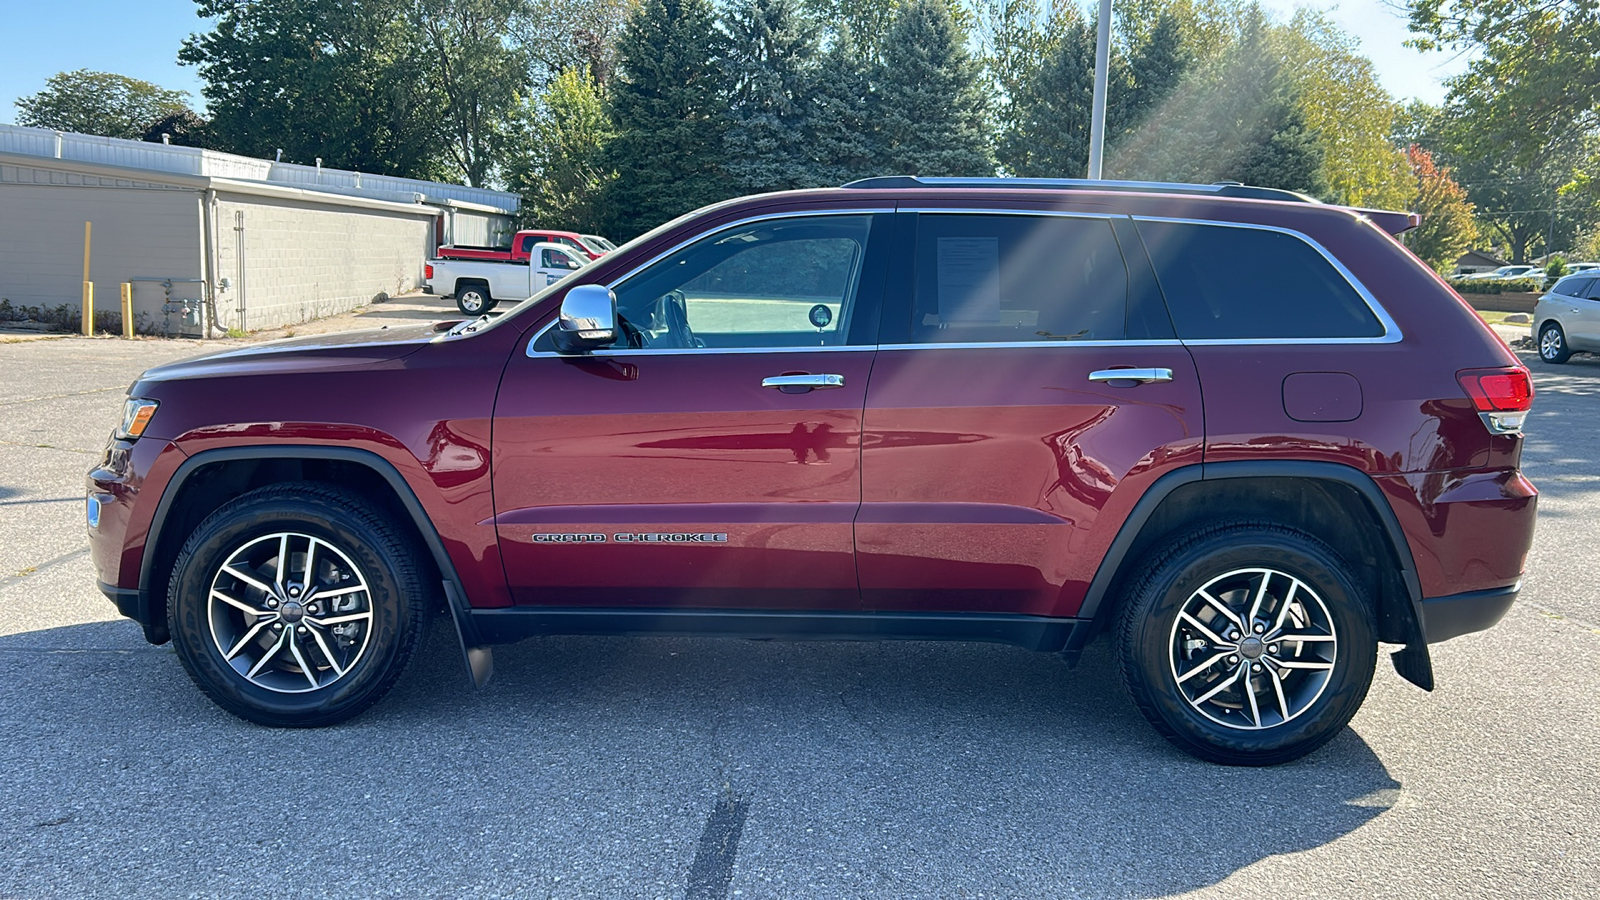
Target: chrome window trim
980	211
798	214
983	345
1391	330
683	351
1392	333
612	285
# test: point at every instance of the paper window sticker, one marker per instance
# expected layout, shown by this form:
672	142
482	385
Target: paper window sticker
969	279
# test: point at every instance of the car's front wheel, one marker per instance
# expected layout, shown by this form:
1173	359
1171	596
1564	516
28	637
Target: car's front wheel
1247	643
296	605
1553	344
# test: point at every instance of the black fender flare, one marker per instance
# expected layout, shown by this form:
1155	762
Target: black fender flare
1413	662
480	664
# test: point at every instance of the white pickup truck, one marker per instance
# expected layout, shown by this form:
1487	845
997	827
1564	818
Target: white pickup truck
478	285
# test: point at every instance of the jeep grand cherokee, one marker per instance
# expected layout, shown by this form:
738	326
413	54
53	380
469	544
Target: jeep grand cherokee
1247	435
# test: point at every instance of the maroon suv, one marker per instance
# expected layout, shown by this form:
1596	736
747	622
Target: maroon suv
1246	434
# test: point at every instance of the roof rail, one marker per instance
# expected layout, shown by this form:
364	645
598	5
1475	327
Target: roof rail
1219	189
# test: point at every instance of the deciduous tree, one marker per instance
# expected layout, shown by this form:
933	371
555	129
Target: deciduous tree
336	79
559	171
1447	228
101	103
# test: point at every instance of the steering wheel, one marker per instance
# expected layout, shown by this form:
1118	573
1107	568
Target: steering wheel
675	315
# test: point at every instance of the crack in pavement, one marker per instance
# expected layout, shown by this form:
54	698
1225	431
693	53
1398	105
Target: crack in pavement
25	574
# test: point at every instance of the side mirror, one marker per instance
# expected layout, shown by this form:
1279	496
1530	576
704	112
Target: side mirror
588	319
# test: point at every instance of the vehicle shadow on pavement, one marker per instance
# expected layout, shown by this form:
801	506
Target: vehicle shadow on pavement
588	767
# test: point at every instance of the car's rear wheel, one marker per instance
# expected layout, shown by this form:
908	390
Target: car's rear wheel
296	605
1247	643
473	299
1553	344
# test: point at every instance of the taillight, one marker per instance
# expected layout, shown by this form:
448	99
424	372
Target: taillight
1502	396
428	272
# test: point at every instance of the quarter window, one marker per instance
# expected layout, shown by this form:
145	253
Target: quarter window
1229	282
1010	278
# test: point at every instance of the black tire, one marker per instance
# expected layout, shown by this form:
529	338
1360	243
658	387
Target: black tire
1313	700
349	646
473	299
1553	344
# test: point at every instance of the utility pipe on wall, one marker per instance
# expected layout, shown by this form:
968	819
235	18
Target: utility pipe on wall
88	286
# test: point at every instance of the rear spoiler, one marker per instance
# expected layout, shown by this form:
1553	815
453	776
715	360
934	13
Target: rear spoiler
1396	223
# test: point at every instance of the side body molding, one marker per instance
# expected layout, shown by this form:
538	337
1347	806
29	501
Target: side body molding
478	658
1412	662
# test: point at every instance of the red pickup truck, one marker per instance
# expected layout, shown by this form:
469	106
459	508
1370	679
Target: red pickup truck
591	245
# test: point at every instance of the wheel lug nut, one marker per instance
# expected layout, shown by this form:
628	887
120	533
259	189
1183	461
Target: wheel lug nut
1260	628
1272	648
277	626
294	592
272	602
312	609
302	630
1233	660
1233	635
1255	667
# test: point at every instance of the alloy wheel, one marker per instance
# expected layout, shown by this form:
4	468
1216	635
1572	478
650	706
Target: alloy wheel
1253	648
290	612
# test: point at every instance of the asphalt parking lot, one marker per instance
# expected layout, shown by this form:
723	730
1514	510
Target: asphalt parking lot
612	767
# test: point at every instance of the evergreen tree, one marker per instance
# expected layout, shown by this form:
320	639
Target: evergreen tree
932	111
1048	135
1239	119
842	131
670	117
771	67
1155	67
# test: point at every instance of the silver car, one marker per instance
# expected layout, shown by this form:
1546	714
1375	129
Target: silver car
1567	319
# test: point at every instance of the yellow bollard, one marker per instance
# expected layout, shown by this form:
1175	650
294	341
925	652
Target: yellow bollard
127	310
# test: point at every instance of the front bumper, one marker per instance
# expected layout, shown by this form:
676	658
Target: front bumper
135	604
1456	614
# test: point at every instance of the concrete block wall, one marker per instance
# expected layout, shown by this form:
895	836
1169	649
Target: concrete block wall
302	260
140	231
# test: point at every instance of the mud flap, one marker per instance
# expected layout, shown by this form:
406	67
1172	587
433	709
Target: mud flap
479	658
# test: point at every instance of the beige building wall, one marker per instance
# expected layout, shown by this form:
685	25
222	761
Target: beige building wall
288	261
141	231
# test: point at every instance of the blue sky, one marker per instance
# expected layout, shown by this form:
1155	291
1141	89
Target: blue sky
141	39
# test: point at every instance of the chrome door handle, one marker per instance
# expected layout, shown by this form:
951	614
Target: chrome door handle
1143	376
815	382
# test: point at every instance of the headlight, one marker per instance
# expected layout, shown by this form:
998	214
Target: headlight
136	416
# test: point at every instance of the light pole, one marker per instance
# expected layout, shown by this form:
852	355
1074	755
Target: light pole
1097	113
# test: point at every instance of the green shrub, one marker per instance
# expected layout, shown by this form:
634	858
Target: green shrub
1555	267
1492	286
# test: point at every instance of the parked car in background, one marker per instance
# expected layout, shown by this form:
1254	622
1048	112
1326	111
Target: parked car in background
1504	273
1566	320
1244	435
522	247
598	242
478	285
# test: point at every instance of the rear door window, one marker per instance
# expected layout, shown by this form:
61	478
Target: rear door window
1017	278
1227	282
1574	286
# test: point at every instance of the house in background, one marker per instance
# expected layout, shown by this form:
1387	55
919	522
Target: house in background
1475	261
212	241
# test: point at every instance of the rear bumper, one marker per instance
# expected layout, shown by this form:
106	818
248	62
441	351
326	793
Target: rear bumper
1456	614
